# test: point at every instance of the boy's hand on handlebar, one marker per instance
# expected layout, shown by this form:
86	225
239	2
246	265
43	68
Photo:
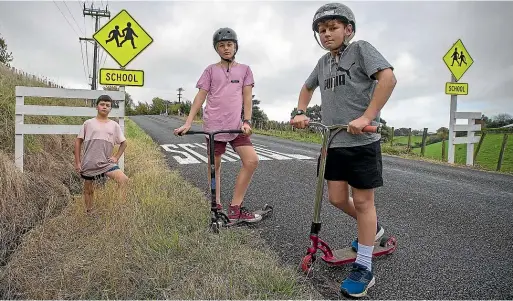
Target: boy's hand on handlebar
356	126
182	130
300	121
246	129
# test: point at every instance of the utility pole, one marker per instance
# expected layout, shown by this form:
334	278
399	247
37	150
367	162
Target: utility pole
97	14
180	95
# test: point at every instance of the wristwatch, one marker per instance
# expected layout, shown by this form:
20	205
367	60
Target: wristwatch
300	112
247	121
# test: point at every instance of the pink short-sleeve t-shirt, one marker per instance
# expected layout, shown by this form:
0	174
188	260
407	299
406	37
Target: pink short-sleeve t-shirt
99	141
224	98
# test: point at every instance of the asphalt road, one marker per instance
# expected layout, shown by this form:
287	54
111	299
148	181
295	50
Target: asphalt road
454	226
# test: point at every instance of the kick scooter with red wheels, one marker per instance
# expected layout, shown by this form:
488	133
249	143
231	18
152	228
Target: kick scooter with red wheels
219	218
336	257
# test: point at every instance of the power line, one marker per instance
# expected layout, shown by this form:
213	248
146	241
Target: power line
83	64
96	13
65	18
73	18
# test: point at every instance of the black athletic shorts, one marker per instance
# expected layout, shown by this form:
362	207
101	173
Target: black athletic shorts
360	166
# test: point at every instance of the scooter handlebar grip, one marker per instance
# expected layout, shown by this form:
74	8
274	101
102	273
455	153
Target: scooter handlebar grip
372	129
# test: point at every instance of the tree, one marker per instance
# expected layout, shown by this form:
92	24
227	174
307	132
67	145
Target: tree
258	115
442	133
314	112
185	107
5	56
158	106
497	121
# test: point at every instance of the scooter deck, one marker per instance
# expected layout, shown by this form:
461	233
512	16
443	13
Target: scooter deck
343	256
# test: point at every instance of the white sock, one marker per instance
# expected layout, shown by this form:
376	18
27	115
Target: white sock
364	256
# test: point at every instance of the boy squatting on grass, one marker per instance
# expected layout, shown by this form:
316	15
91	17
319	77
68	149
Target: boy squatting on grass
99	135
228	85
350	95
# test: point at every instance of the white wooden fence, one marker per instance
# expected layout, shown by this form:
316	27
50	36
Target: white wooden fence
22	109
471	127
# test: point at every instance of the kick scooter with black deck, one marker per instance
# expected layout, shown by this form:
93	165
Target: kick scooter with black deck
386	245
219	218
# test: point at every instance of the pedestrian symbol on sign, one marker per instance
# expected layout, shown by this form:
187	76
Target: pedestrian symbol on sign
114	34
129	35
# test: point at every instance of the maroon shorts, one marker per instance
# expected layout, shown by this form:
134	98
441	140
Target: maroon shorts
220	146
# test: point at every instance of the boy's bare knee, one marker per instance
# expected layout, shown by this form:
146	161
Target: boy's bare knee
123	179
251	162
363	204
339	201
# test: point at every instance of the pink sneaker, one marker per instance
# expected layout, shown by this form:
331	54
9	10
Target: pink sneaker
242	214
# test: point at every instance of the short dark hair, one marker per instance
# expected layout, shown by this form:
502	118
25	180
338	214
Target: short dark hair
104	97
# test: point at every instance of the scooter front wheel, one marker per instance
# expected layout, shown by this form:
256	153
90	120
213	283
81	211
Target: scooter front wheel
307	262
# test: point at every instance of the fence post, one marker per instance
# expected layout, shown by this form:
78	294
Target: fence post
121	161
409	139
483	134
424	138
443	149
392	138
501	154
18	140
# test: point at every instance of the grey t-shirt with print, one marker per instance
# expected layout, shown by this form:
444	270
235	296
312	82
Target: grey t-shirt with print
347	88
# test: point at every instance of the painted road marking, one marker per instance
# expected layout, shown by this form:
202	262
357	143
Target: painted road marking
195	153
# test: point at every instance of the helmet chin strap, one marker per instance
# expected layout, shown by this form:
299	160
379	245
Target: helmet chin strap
229	61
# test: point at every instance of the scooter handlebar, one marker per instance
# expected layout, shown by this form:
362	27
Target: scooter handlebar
213	133
366	129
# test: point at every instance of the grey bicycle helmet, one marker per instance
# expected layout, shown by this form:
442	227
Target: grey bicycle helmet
334	11
225	34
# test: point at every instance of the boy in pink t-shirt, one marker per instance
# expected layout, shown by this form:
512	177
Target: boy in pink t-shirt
228	85
99	135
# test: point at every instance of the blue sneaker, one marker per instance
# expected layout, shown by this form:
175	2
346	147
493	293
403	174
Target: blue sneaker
379	233
359	280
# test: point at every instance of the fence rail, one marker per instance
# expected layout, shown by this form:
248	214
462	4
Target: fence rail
22	109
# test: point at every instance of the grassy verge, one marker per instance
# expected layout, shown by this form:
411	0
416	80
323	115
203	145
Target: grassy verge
26	199
155	244
486	159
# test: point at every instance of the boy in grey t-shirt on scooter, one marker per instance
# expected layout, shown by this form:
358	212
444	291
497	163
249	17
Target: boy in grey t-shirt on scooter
350	95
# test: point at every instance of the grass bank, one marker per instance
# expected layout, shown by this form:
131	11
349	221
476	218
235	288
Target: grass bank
155	244
44	189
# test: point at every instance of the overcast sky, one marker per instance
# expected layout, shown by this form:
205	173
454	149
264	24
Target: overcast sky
276	40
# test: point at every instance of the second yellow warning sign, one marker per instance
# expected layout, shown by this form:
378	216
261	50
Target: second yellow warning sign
120	77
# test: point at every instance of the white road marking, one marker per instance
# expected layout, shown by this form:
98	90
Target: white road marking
191	156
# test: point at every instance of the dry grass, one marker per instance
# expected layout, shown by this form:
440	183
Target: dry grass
44	189
153	245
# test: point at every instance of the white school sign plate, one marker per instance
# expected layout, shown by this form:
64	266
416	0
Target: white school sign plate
123	38
122	77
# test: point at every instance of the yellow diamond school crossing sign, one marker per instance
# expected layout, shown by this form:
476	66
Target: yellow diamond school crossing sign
123	38
458	60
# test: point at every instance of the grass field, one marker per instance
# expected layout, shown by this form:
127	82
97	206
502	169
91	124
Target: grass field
153	245
487	157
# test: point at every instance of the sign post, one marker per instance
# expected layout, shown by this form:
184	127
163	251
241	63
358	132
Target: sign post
123	39
458	60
